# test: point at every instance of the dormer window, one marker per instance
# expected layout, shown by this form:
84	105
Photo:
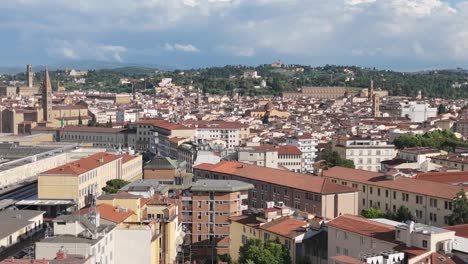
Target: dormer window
424	243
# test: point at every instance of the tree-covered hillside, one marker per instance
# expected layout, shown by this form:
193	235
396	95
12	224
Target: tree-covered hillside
223	80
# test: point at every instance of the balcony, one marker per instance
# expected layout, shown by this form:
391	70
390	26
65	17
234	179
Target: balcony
244	207
244	196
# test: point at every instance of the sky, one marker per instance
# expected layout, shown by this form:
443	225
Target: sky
386	34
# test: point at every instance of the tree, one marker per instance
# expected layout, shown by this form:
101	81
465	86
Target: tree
113	186
333	159
441	109
109	123
403	214
258	252
460	209
373	213
93	122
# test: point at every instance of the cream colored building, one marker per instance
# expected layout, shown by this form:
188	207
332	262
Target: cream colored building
429	202
356	236
84	179
366	153
275	224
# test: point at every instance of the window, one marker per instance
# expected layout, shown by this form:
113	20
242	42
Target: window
338	250
345	252
448	205
419	199
378	191
363	201
266	237
370	190
394	195
386	193
363	189
362	241
433	202
424	243
404	197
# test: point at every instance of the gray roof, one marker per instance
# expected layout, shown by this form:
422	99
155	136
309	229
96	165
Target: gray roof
164	163
14	220
221	186
69	239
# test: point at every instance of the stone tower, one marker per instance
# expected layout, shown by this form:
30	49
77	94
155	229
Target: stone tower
30	74
47	97
375	105
370	92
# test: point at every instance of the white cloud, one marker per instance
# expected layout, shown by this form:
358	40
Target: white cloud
180	47
80	49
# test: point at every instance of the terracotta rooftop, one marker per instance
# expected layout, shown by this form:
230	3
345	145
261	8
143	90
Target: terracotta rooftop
460	230
346	260
110	213
276	176
83	165
451	177
285	226
404	184
365	227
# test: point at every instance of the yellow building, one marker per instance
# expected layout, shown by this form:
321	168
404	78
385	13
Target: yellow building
274	224
84	179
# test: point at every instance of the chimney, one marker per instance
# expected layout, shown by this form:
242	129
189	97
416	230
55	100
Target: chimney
61	254
101	159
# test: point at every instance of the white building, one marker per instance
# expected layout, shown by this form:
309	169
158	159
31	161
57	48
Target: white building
232	133
289	157
366	153
125	116
417	112
306	143
80	235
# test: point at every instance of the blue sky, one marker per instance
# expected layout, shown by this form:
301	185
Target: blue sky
390	34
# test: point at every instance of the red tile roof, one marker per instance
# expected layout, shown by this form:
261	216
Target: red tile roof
108	212
285	226
83	165
405	184
460	230
346	260
276	176
453	177
365	227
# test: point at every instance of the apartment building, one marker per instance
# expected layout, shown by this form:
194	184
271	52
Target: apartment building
154	135
273	224
307	144
289	157
17	225
232	133
461	126
152	221
82	180
452	161
206	208
366	153
361	239
417	112
306	193
430	202
413	158
81	235
104	137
